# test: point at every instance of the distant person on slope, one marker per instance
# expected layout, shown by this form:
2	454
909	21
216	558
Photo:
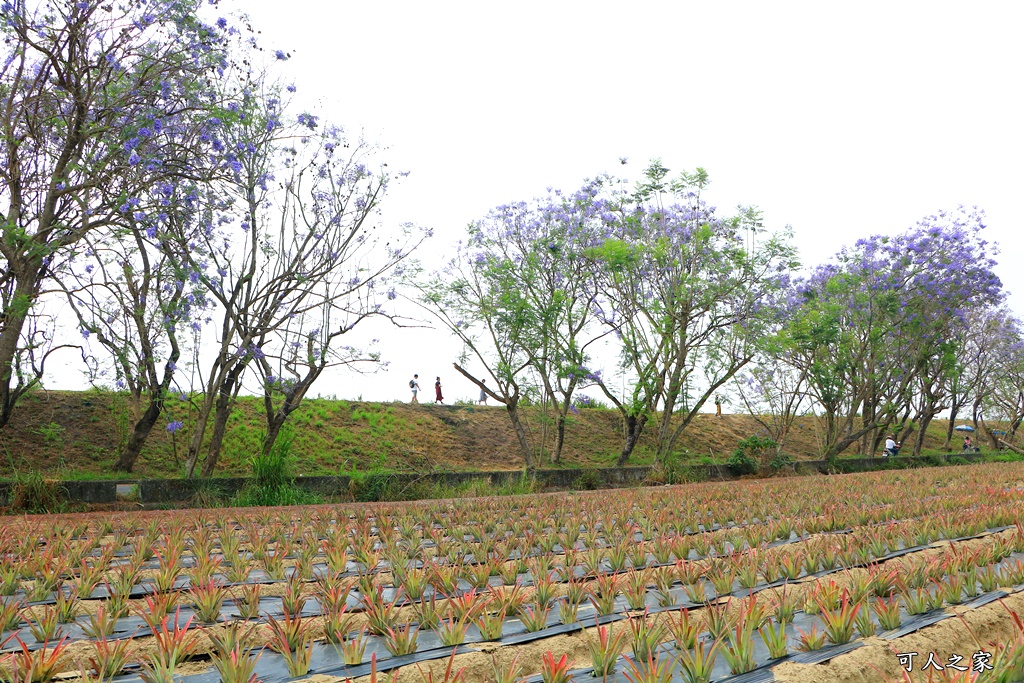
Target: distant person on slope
438	398
483	394
890	446
414	384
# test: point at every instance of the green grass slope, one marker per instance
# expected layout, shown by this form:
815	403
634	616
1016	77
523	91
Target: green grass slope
78	434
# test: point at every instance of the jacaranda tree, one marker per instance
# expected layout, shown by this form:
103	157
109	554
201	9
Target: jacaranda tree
100	102
293	261
874	322
540	250
138	301
686	297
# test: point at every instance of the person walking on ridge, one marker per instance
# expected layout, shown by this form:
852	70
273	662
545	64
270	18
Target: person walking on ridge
438	398
414	384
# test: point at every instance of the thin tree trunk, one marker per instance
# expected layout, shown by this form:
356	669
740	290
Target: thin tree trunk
952	423
15	315
919	442
511	407
143	427
225	402
511	404
634	427
292	400
1010	446
199	430
559	438
144	423
666	435
273	431
987	431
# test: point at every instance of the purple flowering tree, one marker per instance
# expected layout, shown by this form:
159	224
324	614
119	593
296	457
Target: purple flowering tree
353	268
992	374
686	297
538	251
475	297
101	102
773	393
877	327
292	260
135	299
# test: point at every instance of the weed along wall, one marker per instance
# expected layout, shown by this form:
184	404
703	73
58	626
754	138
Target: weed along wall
378	487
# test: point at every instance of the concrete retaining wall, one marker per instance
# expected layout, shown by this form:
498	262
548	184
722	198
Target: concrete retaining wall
167	491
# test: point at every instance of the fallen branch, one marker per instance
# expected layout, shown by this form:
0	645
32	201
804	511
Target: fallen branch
1010	446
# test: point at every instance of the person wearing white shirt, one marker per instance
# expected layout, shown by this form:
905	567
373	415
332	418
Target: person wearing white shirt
890	446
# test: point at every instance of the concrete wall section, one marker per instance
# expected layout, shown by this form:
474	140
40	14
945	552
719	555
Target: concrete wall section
169	491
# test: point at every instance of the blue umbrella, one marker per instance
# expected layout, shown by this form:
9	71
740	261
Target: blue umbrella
964	428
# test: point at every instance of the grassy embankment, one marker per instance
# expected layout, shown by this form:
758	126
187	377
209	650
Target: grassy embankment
77	435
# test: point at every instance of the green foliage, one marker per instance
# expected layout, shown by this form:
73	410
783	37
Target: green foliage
680	467
31	492
740	462
779	461
52	433
588	480
754	452
273	469
207	494
273	484
264	496
373	487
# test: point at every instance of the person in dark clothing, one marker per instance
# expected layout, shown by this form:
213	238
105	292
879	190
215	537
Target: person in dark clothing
438	398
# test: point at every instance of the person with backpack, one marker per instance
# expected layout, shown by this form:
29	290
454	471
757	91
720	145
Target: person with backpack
414	384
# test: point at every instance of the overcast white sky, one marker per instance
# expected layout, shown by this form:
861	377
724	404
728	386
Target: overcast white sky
842	120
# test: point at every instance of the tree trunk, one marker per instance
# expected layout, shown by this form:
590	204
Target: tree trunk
292	400
143	427
220	426
634	427
225	402
274	425
919	442
14	316
144	422
949	428
1010	446
559	437
199	429
511	407
851	438
511	404
987	431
